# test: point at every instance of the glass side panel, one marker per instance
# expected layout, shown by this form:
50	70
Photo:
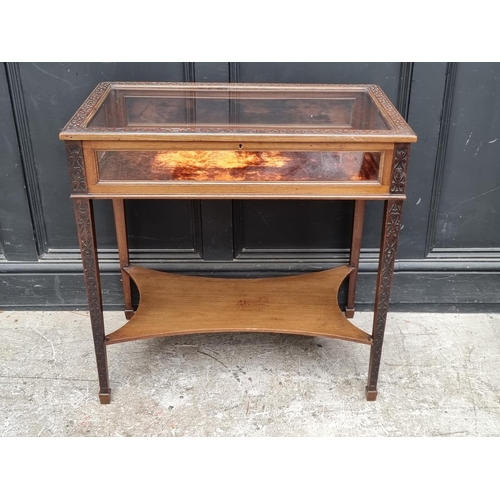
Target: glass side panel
212	108
238	166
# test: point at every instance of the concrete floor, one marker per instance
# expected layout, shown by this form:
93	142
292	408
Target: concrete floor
439	377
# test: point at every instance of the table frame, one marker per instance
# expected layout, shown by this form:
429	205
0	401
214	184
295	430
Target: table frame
84	213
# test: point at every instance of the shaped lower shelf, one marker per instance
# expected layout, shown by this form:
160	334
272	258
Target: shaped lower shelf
173	304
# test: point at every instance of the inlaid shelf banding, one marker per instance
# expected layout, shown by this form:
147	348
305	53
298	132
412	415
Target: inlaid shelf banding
173	304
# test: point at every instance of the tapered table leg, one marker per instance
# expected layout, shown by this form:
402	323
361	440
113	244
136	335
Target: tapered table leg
86	235
389	244
357	233
121	238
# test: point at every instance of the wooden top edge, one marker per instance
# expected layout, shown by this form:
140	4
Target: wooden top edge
85	112
247	86
239	196
76	129
168	135
390	113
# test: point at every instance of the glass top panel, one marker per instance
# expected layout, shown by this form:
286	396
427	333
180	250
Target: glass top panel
241	108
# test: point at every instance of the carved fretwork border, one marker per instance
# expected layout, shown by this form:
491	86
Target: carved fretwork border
83	213
400	168
76	167
392	222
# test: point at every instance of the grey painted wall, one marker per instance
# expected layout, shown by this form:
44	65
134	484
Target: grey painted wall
449	254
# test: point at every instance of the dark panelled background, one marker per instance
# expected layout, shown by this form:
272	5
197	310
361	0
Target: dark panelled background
449	254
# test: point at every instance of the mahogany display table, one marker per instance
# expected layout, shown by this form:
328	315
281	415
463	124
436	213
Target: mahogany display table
226	141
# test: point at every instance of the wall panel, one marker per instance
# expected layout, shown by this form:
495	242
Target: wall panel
449	253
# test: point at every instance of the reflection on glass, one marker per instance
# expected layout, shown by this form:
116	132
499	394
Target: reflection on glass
239	109
255	112
238	165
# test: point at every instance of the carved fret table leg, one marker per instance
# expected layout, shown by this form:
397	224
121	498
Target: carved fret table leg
86	234
389	244
121	238
357	233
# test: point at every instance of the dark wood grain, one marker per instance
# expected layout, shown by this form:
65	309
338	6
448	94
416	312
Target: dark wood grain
88	246
390	236
388	247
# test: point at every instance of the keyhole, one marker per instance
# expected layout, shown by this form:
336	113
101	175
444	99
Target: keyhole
241	145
